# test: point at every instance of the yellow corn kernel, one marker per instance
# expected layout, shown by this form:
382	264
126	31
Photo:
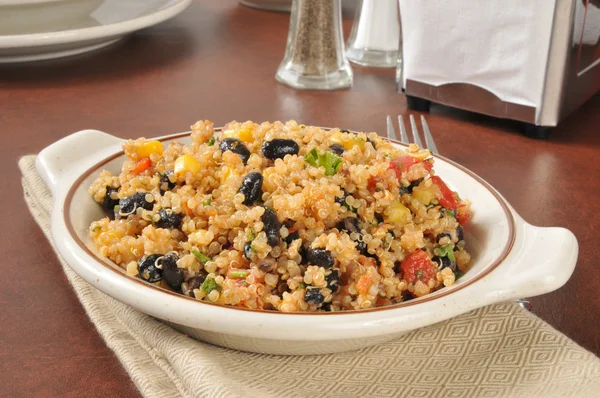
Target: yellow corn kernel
420	154
348	142
148	148
185	164
424	195
245	134
399	214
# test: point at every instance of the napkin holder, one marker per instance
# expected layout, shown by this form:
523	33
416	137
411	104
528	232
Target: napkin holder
534	61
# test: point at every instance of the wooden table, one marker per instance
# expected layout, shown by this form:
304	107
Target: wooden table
217	61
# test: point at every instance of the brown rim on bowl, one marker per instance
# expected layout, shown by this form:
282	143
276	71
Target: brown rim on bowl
432	296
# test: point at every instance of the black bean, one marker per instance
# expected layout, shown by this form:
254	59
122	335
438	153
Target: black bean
172	275
320	257
251	187
460	233
333	280
236	146
165	182
349	224
129	204
291	237
168	219
372	143
248	251
193	283
110	203
147	269
444	262
313	296
337	149
271	226
326	307
443	235
362	247
409	189
279	147
267	267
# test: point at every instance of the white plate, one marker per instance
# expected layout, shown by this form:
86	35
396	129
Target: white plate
511	259
55	29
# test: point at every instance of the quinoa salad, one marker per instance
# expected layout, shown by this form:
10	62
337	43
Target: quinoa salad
284	217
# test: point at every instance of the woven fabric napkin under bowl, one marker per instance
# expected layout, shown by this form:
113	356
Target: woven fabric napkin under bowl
496	351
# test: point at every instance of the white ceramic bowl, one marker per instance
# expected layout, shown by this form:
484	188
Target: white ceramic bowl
511	259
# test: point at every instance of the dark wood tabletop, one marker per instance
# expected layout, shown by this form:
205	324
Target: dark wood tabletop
217	61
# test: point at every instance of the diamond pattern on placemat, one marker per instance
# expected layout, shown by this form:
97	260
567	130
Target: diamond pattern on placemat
496	351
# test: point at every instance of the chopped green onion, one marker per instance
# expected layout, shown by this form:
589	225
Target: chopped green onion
330	161
302	285
447	251
211	142
302	126
449	213
209	285
201	256
149	217
250	235
208	201
238	274
97	228
312	157
116	208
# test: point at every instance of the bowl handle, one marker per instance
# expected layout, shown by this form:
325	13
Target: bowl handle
544	261
67	156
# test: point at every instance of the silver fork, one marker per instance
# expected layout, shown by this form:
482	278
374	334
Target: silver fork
430	145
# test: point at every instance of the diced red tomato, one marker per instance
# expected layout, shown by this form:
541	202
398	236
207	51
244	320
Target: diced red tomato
404	163
142	165
462	215
448	199
372	183
418	267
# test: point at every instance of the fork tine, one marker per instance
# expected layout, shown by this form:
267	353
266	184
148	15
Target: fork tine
428	137
403	135
391	131
415	132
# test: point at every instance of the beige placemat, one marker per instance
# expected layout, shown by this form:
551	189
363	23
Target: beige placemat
497	351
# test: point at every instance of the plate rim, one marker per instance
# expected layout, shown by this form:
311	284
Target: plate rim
95	32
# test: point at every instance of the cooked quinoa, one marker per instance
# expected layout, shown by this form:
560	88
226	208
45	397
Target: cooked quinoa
282	216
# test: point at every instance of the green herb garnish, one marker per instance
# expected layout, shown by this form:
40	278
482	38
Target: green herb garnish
447	251
208	201
250	235
302	126
209	285
149	217
211	142
96	228
116	208
302	285
201	256
238	274
330	161
449	213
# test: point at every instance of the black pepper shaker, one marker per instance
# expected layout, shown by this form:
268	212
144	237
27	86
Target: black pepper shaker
314	56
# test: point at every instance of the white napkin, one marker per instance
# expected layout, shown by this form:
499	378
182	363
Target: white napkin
499	45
